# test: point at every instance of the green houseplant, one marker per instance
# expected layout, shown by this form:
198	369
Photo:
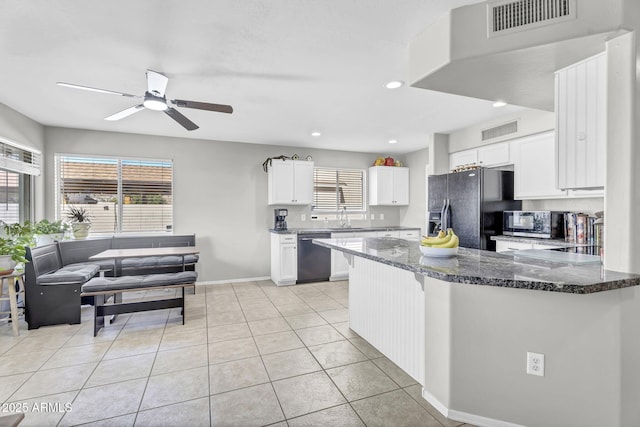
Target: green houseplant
12	245
47	232
80	222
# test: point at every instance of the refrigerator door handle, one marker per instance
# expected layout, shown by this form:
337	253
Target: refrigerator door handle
443	217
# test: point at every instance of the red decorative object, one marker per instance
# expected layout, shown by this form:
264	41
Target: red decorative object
389	161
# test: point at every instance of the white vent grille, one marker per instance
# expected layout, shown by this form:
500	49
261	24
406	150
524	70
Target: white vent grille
508	16
498	131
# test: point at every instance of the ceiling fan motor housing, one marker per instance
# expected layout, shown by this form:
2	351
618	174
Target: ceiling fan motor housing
153	102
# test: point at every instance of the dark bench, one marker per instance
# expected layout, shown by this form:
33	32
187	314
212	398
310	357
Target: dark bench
55	273
101	288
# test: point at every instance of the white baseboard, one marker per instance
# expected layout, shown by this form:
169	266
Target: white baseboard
241	280
464	417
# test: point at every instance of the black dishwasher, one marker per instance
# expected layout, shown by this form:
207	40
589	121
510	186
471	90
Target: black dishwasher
314	262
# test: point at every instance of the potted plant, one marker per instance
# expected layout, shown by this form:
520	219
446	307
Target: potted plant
47	232
80	222
12	246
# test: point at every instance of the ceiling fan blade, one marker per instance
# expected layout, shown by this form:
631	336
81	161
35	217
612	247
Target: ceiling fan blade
156	83
220	108
93	89
125	113
178	117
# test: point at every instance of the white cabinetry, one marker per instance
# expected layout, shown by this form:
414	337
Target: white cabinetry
534	167
487	156
460	158
505	245
284	259
339	264
388	233
413	235
581	123
388	186
290	182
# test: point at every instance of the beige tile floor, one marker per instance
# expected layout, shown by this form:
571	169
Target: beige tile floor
250	354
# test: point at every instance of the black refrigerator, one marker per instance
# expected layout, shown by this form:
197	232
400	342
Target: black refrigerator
472	202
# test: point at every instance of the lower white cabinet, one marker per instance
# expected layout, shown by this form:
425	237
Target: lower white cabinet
339	264
505	245
413	235
284	259
392	233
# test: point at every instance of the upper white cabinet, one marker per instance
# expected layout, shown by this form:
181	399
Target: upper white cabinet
388	185
534	167
460	158
487	156
290	182
581	123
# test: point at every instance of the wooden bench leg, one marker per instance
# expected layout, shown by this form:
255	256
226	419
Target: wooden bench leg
98	320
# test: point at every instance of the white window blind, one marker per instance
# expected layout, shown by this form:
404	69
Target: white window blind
335	188
17	158
121	195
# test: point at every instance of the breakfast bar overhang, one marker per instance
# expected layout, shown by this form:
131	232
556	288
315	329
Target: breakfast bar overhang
462	327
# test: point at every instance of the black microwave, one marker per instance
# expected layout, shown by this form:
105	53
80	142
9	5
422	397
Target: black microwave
541	224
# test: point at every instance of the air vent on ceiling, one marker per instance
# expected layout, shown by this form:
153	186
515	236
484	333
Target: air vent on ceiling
508	16
502	130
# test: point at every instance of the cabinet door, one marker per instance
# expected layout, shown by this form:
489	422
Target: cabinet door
339	264
288	262
581	111
465	157
392	233
381	185
400	186
504	245
280	182
413	235
494	155
534	169
303	183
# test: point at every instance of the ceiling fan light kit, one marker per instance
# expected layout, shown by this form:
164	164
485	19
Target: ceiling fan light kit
154	99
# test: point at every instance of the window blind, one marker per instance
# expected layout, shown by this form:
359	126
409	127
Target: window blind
335	188
19	159
121	195
9	197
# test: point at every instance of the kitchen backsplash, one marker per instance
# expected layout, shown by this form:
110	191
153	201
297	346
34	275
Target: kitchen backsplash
294	219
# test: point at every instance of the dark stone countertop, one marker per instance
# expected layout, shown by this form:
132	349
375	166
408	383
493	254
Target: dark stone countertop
477	267
341	230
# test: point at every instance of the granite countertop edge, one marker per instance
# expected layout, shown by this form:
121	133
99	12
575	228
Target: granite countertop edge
539	284
561	243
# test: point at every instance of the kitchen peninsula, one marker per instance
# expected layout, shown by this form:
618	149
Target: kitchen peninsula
463	326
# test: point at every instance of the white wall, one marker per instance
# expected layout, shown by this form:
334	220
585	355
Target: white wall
220	192
415	214
21	129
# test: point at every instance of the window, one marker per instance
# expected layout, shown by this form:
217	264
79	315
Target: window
17	164
335	188
121	195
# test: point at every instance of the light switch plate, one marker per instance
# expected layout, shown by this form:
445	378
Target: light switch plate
303	217
373	216
381	217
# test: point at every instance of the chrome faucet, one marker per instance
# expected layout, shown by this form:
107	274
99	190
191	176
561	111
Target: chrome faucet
344	218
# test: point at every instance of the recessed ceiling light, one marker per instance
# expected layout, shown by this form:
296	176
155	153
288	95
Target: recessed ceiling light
393	141
499	104
394	84
316	134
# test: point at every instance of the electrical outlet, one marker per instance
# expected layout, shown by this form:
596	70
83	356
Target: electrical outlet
373	216
381	217
303	217
535	364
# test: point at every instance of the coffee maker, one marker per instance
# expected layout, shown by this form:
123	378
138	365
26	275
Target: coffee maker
280	219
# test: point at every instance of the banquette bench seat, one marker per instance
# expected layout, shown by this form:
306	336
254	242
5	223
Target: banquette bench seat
55	273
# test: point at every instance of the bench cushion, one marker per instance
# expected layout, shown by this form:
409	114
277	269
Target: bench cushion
74	273
158	261
105	284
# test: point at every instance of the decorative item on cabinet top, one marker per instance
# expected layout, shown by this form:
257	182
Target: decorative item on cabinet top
387	161
267	163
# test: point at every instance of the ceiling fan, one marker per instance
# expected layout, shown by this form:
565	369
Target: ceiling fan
154	99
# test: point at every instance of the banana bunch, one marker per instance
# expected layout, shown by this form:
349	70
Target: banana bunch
379	161
442	240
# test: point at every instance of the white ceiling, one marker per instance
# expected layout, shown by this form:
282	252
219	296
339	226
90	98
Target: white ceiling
288	67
